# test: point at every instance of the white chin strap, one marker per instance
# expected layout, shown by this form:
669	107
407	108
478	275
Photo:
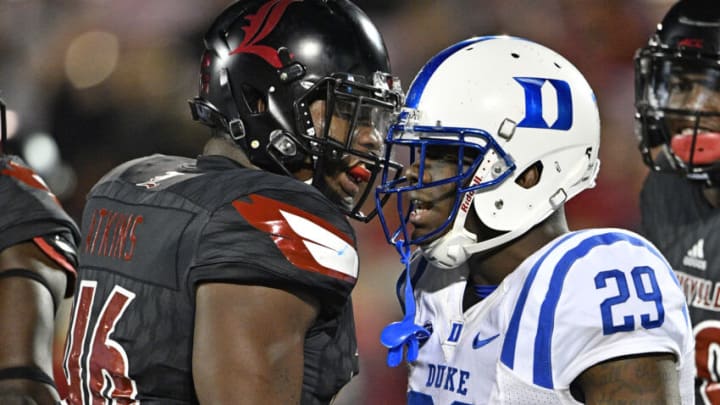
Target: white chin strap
455	247
448	252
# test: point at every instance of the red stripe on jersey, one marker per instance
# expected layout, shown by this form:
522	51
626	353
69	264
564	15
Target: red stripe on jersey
54	254
264	214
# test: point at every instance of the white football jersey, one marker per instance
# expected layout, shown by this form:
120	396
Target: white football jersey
586	297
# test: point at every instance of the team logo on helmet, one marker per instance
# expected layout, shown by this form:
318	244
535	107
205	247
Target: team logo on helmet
534	117
261	25
691	42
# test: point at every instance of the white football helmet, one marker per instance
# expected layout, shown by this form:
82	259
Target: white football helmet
509	104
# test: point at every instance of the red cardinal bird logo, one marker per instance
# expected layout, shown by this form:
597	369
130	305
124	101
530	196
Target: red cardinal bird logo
262	23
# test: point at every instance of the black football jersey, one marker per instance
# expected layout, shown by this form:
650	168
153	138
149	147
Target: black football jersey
678	219
30	212
156	227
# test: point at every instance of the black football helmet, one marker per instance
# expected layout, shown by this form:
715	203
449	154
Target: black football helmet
266	63
677	92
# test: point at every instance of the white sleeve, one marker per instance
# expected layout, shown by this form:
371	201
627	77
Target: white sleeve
600	295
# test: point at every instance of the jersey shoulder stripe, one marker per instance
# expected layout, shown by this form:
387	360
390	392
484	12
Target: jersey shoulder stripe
308	241
507	355
559	259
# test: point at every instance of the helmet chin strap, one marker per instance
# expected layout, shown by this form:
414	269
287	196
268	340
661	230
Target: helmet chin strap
448	252
457	246
491	243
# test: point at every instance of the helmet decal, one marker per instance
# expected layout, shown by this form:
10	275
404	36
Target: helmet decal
692	43
205	73
413	96
261	25
534	106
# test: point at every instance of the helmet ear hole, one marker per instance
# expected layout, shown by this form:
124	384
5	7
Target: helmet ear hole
254	99
531	176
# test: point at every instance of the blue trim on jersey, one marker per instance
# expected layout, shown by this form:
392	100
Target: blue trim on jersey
507	356
542	364
418	85
657	253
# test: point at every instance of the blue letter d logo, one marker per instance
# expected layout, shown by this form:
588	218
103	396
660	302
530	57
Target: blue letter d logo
534	108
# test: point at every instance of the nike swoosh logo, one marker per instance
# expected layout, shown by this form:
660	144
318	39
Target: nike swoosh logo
478	343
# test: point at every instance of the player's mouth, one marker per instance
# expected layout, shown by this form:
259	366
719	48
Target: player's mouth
421	210
425	216
701	147
352	179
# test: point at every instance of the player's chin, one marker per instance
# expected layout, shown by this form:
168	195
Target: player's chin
429	224
421	232
338	196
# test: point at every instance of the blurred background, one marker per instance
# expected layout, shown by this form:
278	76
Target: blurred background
92	83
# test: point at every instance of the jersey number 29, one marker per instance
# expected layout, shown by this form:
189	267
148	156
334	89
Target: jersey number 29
645	288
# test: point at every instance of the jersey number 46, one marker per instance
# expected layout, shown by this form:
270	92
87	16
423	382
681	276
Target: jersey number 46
101	373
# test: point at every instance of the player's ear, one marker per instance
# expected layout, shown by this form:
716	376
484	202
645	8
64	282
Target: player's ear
531	176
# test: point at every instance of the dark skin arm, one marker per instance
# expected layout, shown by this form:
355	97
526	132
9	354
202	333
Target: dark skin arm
27	322
632	380
248	344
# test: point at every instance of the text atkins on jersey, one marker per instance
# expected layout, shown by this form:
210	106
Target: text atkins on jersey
112	234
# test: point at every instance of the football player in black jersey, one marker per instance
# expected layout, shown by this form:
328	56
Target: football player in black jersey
677	99
37	270
226	279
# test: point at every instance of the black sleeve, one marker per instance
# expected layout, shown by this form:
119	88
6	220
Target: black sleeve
30	212
264	240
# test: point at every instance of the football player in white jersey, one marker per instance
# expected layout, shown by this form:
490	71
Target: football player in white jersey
503	303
